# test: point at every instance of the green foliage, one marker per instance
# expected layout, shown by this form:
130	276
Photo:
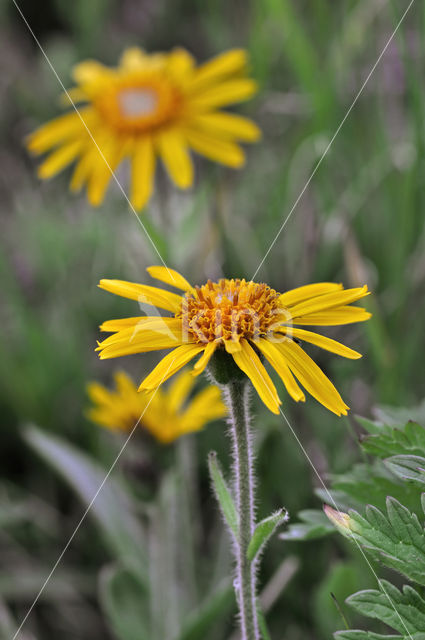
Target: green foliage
408	468
223	495
264	531
396	539
106	500
391	441
314	524
402	610
125	602
219	604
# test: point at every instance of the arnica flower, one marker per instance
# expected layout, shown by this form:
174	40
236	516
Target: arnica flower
248	321
167	415
150	105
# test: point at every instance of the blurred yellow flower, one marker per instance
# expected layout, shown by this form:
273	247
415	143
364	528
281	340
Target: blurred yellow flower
167	415
242	319
150	105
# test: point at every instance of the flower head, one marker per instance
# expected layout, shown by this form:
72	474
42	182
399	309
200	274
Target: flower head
167	415
247	321
150	105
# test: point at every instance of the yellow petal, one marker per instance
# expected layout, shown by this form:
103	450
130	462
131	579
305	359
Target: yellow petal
152	341
179	390
227	125
328	301
170	276
60	159
99	394
278	362
123	323
57	131
224	94
110	153
205	406
223	151
324	343
204	359
225	64
125	385
232	346
180	64
144	294
168	327
170	364
90	71
142	172
175	155
308	291
83	169
312	377
333	317
248	361
133	58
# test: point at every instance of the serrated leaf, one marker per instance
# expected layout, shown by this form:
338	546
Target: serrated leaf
394	416
371	484
223	494
217	606
264	531
407	467
404	610
396	539
125	603
314	524
107	501
409	439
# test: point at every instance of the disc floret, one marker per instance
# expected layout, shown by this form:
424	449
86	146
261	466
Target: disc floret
229	310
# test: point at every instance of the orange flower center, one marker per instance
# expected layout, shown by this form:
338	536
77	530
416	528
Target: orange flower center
139	103
230	310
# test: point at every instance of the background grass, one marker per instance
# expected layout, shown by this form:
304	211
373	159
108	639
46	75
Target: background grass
360	220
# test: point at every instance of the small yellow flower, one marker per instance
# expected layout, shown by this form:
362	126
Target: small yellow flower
150	105
242	319
166	414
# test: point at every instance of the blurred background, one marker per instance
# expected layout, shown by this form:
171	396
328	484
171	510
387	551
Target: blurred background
137	568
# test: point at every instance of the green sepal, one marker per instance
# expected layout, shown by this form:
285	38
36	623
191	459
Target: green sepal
223	495
224	369
263	532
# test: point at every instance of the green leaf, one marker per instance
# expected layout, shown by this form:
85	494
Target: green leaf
394	416
403	610
223	494
357	634
407	467
264	531
262	624
314	524
125	603
216	607
371	484
409	439
106	501
396	539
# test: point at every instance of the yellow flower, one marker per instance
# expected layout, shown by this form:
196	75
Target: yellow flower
242	319
150	105
166	414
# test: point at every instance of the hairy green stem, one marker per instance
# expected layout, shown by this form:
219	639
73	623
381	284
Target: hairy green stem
244	486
